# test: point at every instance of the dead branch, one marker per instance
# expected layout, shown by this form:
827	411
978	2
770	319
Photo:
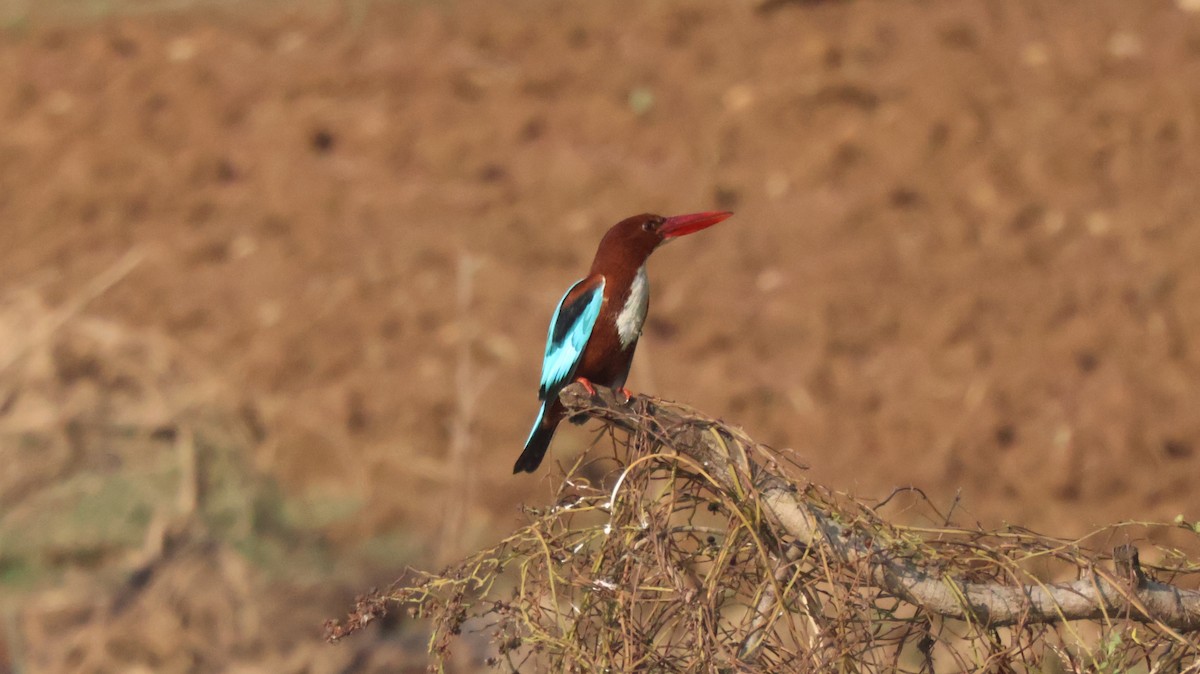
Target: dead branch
696	549
1099	595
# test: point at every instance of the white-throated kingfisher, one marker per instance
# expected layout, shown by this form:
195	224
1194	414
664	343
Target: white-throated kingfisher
596	326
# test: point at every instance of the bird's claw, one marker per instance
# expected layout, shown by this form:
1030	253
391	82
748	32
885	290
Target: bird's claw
587	386
621	391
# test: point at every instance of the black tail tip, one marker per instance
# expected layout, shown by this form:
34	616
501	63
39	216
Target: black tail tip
528	462
535	451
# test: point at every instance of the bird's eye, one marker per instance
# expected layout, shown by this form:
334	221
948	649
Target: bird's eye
650	225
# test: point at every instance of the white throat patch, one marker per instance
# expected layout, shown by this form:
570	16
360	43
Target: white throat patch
633	314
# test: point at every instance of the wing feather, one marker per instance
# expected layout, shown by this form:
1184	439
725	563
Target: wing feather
570	329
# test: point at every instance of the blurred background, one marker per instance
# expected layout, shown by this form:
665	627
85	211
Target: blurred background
275	278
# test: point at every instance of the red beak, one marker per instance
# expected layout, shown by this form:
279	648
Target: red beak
680	225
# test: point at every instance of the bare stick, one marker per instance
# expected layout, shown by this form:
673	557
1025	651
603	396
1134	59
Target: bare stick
95	288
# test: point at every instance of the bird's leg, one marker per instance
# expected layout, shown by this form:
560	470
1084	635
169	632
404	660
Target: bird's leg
587	385
627	393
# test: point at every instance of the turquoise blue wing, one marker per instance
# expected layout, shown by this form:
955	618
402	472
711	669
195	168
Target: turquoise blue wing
570	329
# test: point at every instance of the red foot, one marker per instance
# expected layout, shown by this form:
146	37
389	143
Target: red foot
627	393
587	385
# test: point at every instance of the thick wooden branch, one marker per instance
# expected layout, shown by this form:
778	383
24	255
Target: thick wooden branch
1125	594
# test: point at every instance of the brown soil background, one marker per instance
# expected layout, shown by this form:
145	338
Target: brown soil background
964	258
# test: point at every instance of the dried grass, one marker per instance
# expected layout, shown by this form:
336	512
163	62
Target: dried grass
678	563
134	533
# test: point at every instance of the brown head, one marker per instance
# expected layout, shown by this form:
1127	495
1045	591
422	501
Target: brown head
629	242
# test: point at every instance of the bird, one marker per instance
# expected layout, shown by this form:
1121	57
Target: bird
596	325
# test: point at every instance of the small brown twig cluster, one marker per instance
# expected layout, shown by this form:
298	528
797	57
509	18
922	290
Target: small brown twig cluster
703	552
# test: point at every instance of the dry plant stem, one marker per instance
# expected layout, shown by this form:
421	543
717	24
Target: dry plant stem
1098	596
469	386
102	283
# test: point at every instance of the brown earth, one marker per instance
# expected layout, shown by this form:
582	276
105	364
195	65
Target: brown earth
964	255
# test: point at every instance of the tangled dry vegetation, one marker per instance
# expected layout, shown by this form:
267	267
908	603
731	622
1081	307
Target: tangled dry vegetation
704	553
134	535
